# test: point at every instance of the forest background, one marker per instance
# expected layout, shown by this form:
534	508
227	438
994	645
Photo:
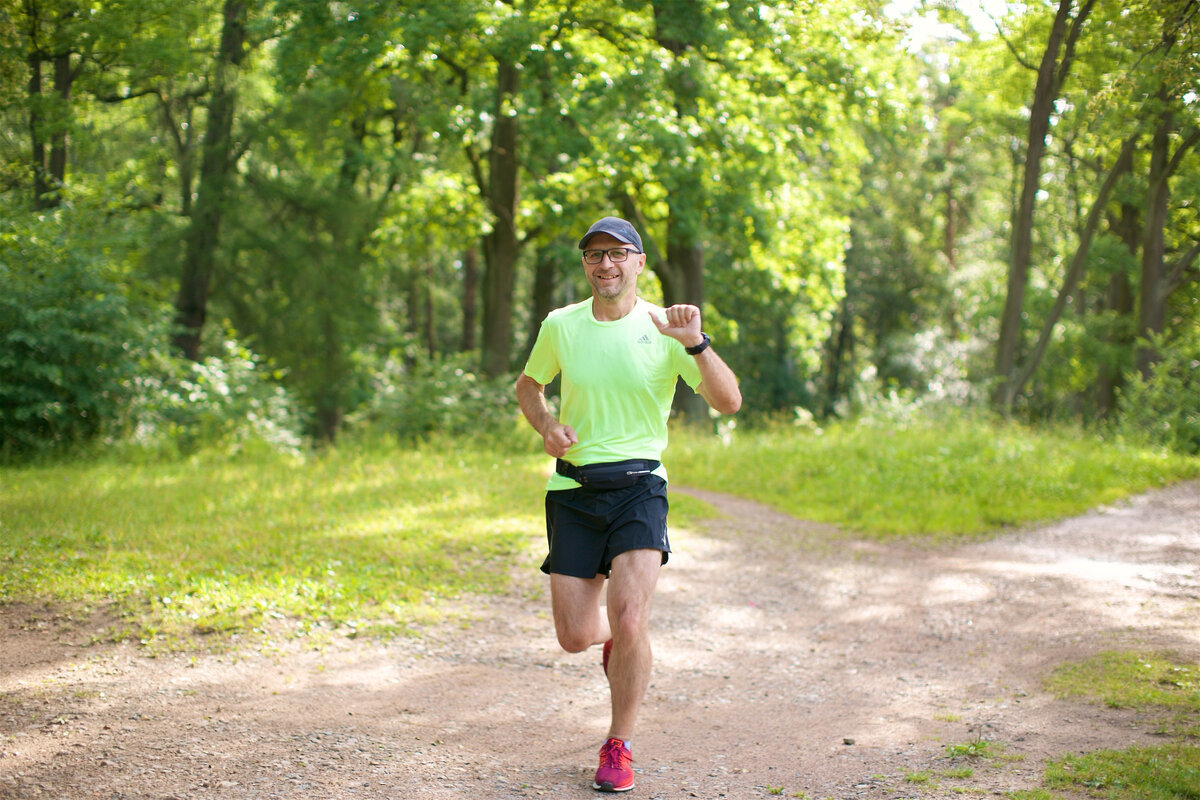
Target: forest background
291	221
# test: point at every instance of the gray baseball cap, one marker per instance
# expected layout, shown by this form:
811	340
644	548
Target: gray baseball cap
619	229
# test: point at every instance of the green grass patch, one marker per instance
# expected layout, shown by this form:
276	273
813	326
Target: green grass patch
367	541
949	478
1156	682
1169	772
1130	680
979	748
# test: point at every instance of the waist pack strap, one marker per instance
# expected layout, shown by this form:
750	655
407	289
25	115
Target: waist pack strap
597	474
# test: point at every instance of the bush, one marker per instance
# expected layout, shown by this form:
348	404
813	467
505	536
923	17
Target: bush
66	335
440	396
1164	410
226	400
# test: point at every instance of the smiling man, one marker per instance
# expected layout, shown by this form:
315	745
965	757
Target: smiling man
606	504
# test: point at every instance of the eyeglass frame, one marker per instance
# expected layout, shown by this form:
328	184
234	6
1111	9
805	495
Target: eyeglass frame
628	251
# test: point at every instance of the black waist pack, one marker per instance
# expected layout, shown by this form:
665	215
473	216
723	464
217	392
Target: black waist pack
615	475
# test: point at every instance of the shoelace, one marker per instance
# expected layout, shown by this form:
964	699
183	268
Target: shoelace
614	755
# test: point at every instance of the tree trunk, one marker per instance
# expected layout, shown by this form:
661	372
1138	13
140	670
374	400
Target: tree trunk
501	247
1050	76
545	280
1075	271
682	274
950	237
839	351
1118	301
63	78
1152	299
42	197
470	298
430	315
216	171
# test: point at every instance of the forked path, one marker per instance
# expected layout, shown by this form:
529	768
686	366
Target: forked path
789	662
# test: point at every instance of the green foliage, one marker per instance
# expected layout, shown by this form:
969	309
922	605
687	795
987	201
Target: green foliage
1164	410
930	476
846	192
68	335
226	401
417	397
363	540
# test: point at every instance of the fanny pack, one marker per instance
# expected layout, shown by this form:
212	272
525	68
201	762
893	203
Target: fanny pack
614	475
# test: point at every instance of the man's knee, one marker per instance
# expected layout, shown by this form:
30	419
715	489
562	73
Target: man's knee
629	620
574	641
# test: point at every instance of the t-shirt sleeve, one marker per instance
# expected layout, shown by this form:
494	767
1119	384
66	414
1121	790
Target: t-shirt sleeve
543	364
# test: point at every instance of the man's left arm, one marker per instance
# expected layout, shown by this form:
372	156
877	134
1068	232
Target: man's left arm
718	385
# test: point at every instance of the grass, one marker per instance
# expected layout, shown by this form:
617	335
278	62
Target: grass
367	541
371	539
1158	682
1169	772
933	480
1154	682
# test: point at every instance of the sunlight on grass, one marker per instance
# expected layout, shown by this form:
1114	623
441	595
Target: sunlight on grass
950	478
1133	680
374	538
211	545
1154	683
1169	772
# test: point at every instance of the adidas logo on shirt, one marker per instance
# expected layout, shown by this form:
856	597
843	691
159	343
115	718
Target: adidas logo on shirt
644	339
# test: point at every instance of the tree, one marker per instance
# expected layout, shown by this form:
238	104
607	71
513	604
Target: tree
1056	62
55	37
1159	280
215	182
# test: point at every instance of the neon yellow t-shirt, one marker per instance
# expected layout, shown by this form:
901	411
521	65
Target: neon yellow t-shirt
618	380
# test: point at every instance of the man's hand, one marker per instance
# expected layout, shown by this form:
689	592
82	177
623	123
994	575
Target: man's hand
559	438
682	323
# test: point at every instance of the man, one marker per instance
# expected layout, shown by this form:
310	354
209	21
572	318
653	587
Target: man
606	504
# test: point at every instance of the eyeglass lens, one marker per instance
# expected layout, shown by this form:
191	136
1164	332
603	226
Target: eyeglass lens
616	255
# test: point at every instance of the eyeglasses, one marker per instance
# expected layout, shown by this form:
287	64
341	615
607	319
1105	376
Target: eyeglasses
616	255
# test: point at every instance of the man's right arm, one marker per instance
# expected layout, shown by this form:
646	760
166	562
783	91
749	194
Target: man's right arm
531	396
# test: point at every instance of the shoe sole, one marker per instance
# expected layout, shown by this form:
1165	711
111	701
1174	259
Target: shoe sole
608	787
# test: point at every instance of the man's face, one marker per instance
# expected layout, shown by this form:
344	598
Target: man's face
613	281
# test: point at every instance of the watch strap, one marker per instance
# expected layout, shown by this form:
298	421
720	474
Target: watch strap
700	348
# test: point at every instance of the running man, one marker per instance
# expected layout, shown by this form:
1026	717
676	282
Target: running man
606	504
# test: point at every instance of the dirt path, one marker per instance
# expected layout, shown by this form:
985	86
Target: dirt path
786	663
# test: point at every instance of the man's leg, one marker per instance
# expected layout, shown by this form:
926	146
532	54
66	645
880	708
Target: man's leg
578	618
630	590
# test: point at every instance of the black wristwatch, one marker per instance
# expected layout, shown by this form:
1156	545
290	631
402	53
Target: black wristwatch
700	348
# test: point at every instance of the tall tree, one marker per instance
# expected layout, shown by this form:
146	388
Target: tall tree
57	45
1052	71
217	168
1160	279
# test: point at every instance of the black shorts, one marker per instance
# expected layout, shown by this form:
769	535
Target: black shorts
586	528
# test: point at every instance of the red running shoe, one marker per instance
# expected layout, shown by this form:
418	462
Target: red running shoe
616	768
605	655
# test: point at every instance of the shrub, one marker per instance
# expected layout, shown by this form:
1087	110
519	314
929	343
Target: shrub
66	335
1164	410
439	396
229	399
